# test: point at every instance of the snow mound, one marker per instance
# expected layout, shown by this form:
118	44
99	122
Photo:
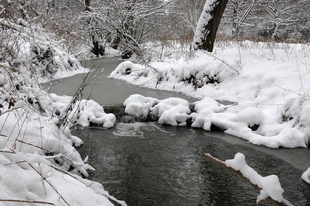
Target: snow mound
128	68
244	120
172	111
110	52
84	111
251	116
92	112
205	108
270	185
139	106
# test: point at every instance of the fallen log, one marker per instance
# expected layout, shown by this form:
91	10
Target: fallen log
238	173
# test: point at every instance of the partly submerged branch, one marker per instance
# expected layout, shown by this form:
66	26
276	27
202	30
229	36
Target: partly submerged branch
247	179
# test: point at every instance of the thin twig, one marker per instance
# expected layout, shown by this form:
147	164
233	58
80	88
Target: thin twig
291	91
27	201
21	128
50	184
10	110
224	62
15	126
9	152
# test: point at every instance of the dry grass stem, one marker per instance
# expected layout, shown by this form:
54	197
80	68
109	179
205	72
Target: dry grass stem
27	201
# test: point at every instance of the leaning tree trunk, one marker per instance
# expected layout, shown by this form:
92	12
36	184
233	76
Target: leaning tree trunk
208	24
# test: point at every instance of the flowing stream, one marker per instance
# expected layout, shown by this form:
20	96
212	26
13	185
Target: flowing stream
148	164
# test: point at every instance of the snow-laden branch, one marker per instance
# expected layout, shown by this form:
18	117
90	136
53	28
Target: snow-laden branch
270	187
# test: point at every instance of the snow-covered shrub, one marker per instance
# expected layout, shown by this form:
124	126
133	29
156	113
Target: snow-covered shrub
26	109
84	112
297	111
166	51
32	146
160	75
51	60
127	68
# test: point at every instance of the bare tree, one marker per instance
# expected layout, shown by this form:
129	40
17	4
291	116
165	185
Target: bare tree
240	15
282	15
260	19
126	23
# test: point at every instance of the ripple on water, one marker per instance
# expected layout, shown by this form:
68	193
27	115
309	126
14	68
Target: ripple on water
148	164
129	130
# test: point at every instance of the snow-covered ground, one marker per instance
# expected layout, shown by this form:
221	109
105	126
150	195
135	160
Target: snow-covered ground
38	162
267	84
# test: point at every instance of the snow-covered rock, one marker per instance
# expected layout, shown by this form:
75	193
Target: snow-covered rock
172	111
243	120
205	109
139	106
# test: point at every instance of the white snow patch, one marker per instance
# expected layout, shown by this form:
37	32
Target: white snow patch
267	85
139	106
270	185
35	154
306	176
84	111
172	111
243	120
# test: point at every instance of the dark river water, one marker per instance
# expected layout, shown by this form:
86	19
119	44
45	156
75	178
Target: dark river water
104	90
148	164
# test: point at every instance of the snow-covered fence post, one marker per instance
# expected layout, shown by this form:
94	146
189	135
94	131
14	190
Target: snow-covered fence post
208	24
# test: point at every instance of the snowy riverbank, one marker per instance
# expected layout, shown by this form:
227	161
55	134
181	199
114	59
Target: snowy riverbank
270	87
38	161
268	82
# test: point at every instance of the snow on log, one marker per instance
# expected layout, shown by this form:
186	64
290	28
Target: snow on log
270	187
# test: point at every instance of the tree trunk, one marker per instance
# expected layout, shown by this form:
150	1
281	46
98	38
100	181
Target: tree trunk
209	30
87	5
115	42
235	29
